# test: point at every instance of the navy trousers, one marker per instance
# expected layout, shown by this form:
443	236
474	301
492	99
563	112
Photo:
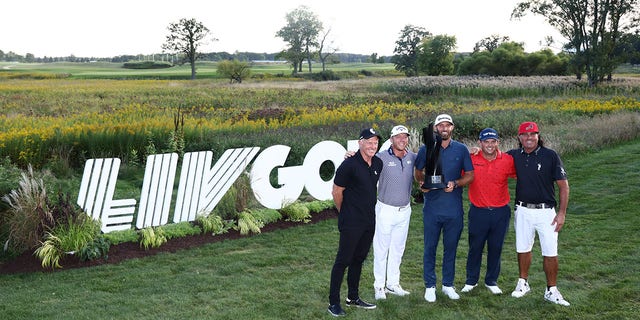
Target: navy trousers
451	229
486	225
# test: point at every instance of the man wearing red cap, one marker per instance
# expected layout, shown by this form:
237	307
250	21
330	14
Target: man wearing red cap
538	171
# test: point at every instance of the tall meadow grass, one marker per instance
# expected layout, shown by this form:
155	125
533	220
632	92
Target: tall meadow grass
70	121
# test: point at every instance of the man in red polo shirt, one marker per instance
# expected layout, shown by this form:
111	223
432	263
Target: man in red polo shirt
489	212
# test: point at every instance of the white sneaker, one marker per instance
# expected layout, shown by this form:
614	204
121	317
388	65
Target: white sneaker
430	294
379	292
494	289
521	288
450	292
396	290
468	288
553	295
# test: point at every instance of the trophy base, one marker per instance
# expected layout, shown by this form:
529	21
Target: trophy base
433	182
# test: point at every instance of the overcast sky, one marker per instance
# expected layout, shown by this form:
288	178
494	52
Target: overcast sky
88	28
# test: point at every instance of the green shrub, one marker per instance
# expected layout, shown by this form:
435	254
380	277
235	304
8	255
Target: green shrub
152	237
226	207
180	229
296	212
266	215
319	205
147	65
247	223
95	249
50	251
76	233
244	194
122	236
326	75
9	178
214	224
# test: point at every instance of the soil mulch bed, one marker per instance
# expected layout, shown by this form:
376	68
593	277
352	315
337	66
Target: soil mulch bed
27	262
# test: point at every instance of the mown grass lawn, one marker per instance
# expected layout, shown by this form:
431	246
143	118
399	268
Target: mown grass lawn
285	274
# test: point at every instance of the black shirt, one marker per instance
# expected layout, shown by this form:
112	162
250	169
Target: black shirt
359	196
537	174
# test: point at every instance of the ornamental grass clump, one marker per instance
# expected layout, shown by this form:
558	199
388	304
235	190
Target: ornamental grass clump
28	216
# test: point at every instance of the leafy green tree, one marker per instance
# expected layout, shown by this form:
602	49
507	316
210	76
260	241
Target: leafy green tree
509	59
490	43
29	57
234	70
407	49
185	38
373	58
592	28
301	32
436	56
629	48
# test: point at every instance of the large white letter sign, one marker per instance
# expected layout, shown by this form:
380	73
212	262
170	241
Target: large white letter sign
290	179
319	153
157	190
201	186
96	195
293	179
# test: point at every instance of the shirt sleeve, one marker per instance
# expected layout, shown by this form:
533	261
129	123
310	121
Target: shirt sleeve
560	173
342	174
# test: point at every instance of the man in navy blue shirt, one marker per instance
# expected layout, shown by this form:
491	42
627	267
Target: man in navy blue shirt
354	193
442	211
539	170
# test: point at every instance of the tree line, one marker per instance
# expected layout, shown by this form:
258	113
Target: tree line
600	35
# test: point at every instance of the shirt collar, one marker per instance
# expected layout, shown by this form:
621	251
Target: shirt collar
535	152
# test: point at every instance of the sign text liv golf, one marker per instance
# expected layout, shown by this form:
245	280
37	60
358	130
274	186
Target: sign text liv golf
201	185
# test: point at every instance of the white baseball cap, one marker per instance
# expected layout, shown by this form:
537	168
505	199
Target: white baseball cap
398	130
443	118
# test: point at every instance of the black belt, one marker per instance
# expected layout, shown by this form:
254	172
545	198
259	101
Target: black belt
488	208
534	205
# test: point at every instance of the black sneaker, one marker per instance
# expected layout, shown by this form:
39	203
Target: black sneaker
360	304
336	310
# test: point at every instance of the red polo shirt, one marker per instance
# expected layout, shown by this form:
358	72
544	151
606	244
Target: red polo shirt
490	187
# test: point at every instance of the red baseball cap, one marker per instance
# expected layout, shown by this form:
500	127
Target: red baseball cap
528	127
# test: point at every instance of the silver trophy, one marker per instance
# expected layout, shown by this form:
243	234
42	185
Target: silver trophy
433	177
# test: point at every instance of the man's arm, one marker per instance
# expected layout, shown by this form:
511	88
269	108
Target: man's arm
418	175
563	186
466	179
337	196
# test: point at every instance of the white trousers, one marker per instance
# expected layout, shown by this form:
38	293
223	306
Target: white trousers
392	227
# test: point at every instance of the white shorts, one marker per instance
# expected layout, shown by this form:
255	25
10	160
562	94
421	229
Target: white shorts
527	221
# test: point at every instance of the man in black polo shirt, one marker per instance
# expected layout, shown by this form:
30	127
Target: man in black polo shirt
354	193
538	171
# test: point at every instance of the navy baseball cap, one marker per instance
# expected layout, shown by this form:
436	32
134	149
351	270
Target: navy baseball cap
488	133
368	133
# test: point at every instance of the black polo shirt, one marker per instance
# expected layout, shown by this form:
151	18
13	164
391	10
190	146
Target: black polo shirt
537	174
359	196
